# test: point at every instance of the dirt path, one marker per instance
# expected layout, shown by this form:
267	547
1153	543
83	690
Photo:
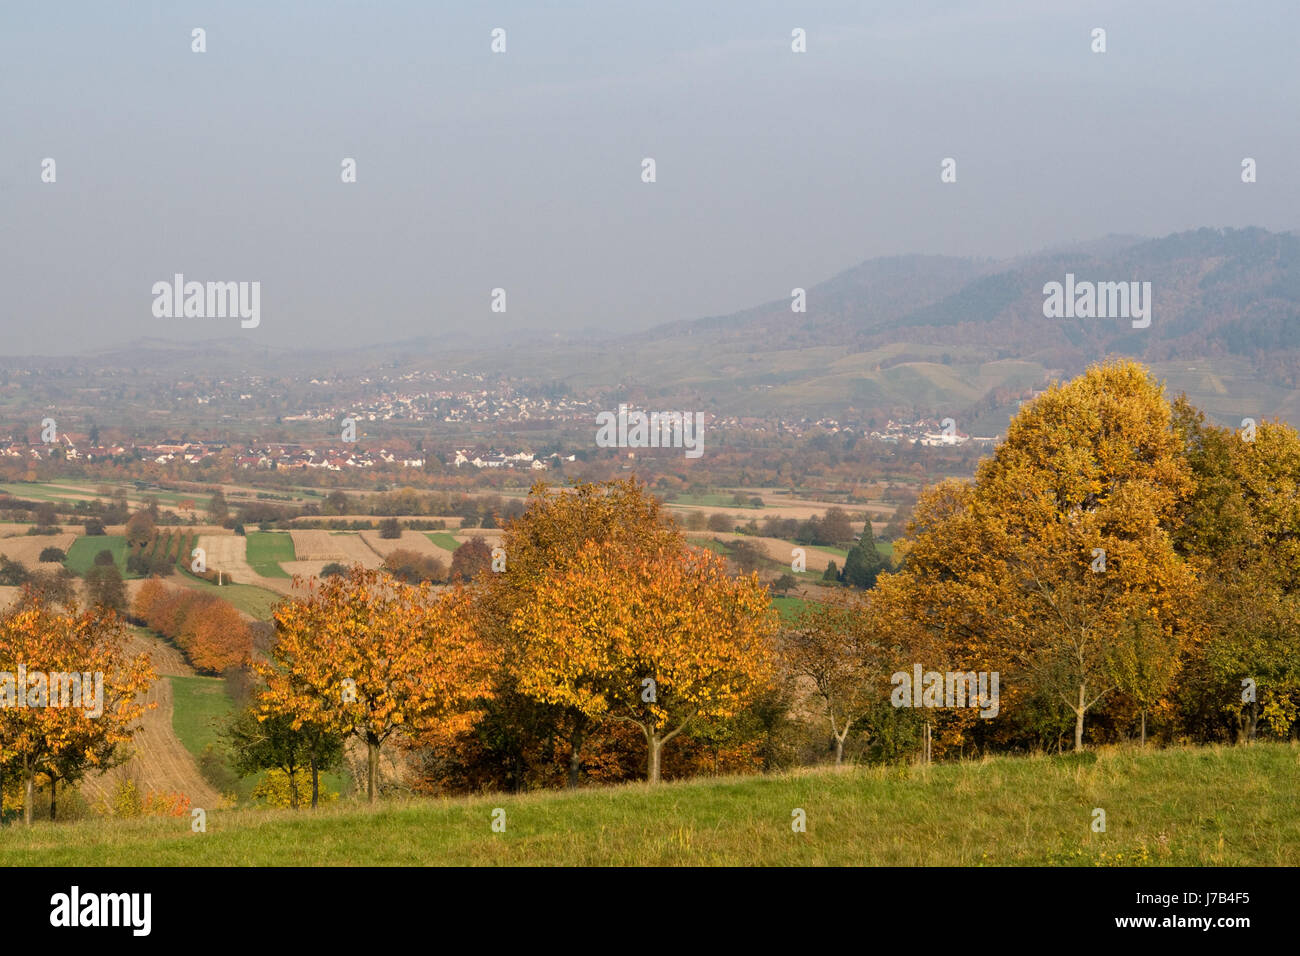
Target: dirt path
160	762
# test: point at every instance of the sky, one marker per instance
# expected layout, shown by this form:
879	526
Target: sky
522	170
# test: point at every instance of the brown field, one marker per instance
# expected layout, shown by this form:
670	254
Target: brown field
452	521
306	569
160	761
26	550
880	513
228	553
324	546
416	541
775	548
493	536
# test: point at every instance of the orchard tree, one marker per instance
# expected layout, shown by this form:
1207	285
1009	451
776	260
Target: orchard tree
368	656
273	743
64	740
835	646
538	545
218	510
658	641
471	559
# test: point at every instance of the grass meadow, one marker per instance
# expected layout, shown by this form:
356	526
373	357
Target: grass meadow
1202	806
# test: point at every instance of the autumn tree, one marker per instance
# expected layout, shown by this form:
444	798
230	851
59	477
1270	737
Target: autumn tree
1241	528
218	511
261	742
658	640
835	646
413	568
105	587
471	559
539	545
140	529
1040	568
81	693
368	656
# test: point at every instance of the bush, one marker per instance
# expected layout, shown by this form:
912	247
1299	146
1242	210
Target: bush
104	558
413	567
216	771
333	569
94	528
12	573
720	522
390	528
56	555
274	790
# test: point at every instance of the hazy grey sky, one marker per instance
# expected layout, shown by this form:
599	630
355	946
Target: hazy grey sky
522	170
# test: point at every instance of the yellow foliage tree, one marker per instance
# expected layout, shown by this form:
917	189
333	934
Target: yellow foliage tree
656	640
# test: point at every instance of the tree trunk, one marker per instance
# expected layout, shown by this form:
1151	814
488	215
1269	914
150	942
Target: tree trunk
372	770
54	787
839	750
1078	719
653	747
315	783
1144	728
29	795
293	788
575	759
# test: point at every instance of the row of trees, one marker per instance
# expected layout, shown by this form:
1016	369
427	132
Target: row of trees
1120	563
208	630
604	618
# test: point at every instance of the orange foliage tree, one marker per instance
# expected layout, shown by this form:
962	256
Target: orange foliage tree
55	730
368	656
658	640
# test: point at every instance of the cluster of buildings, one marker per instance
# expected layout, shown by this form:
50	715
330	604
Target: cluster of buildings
928	432
495	459
276	455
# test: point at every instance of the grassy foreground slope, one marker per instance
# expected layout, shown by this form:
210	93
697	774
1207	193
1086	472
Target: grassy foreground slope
1196	806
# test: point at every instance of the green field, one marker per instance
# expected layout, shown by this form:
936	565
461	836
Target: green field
444	540
1210	806
789	607
81	556
714	545
198	703
247	597
201	706
266	549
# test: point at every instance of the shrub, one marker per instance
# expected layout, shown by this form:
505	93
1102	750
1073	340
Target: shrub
390	528
720	522
104	558
94	528
413	567
274	790
333	569
12	573
56	555
216	771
